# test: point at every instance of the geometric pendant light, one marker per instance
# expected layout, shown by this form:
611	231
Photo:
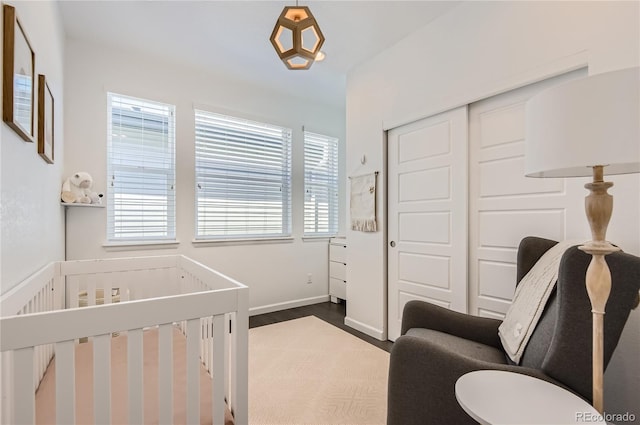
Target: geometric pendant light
297	37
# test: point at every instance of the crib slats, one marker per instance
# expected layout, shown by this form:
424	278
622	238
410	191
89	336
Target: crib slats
203	336
52	306
35	307
106	289
146	284
65	383
40	298
240	347
218	370
6	386
165	374
72	291
135	365
91	291
123	284
193	371
102	379
24	396
228	319
209	344
42	349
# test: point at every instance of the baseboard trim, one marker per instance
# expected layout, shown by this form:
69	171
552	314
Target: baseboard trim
254	311
366	329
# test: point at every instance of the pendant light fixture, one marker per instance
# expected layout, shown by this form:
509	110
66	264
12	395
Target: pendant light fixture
297	37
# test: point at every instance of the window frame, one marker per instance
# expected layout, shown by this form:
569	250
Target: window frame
201	235
169	222
331	144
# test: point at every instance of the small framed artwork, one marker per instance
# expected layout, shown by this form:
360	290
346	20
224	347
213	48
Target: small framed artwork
45	120
18	76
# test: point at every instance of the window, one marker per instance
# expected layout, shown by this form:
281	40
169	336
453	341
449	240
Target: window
141	170
243	178
320	185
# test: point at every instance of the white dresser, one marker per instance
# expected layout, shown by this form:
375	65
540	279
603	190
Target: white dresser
338	269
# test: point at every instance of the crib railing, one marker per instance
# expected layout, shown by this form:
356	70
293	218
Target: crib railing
195	276
40	292
133	279
206	304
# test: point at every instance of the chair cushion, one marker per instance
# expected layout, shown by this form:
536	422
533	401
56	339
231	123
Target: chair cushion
461	346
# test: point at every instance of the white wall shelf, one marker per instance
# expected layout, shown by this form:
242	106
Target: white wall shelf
64	204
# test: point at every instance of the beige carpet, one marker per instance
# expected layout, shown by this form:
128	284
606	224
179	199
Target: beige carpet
308	372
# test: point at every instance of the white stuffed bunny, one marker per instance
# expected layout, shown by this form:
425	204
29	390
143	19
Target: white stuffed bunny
96	197
77	188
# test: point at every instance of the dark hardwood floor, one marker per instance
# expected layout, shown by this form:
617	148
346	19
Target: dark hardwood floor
329	312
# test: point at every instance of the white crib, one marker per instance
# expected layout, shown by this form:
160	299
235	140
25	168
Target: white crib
45	316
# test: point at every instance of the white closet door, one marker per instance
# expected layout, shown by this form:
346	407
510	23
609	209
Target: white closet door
427	213
504	205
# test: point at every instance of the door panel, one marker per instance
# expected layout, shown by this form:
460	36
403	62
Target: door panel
504	205
427	202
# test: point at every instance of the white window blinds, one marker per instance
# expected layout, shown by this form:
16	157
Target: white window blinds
320	184
243	178
141	170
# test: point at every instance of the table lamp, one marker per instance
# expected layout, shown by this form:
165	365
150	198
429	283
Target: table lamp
581	128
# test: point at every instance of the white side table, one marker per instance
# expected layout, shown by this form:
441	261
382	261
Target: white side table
494	397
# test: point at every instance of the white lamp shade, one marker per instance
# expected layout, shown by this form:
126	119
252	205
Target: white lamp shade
591	121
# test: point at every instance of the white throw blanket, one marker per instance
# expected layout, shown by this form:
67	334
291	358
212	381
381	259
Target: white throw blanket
529	301
363	203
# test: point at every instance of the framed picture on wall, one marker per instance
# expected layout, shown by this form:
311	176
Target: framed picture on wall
45	120
18	76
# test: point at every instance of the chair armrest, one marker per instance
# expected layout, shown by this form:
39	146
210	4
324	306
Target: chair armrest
419	314
422	378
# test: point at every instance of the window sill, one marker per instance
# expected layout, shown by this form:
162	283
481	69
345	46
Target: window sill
316	238
199	243
140	245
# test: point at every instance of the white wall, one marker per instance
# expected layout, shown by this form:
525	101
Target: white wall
275	272
31	216
477	50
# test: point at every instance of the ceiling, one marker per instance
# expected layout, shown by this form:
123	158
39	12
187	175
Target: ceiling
232	37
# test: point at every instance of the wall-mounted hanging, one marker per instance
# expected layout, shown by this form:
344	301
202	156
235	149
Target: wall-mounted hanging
45	120
297	37
18	76
363	202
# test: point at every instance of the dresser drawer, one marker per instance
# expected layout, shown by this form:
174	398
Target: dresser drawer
338	288
338	253
337	270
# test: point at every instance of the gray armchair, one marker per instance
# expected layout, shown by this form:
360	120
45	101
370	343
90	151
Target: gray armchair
437	345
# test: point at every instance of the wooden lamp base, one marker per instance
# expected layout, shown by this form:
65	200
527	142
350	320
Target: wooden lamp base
598	207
